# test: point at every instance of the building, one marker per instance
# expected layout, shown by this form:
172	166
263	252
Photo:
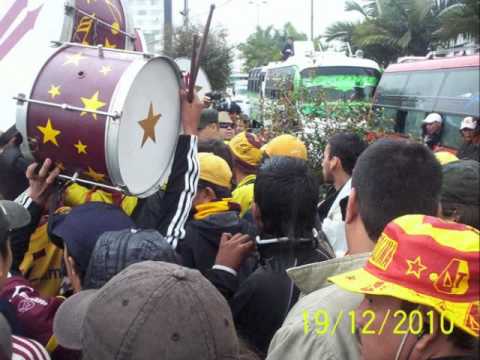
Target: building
149	17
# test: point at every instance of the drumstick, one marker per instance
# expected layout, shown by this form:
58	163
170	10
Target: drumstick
203	43
191	80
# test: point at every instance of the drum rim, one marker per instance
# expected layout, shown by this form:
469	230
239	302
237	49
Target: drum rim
117	102
21	117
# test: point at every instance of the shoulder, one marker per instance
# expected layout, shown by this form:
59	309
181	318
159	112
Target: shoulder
23	348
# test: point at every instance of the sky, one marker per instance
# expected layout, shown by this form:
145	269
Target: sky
240	17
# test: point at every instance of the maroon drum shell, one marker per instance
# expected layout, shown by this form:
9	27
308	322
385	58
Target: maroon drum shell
89	32
78	77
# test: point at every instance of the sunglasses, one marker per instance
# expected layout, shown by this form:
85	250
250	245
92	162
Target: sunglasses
225	125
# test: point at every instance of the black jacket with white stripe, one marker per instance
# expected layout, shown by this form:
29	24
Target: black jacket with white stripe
168	211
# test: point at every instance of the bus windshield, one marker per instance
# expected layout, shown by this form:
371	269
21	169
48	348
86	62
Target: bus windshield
340	82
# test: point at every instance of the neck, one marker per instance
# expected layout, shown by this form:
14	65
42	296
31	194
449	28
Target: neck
340	179
239	175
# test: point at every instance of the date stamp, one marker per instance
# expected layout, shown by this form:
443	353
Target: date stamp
321	323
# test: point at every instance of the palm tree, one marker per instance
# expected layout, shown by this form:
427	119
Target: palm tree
460	18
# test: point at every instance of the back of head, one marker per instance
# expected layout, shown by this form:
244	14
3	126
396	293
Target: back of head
207	117
216	147
215	173
117	250
286	145
148	311
246	150
460	196
347	147
394	178
286	193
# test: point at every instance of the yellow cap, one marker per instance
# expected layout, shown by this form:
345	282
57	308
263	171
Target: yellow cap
246	149
444	157
286	145
215	170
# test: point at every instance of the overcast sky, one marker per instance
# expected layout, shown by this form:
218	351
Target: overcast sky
239	17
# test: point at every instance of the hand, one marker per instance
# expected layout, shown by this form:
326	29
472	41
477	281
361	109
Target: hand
41	183
233	250
190	113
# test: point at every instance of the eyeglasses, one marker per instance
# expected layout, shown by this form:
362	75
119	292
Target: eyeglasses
225	125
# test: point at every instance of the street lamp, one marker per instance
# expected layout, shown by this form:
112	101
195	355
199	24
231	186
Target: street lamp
258	3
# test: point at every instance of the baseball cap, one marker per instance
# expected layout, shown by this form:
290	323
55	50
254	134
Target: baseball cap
215	170
433	117
445	157
12	216
165	309
116	250
80	228
468	123
402	266
460	183
246	148
286	145
5	339
207	117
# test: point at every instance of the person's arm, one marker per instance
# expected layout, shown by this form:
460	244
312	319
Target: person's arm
34	200
168	213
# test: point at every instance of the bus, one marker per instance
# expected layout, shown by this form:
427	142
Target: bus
449	86
333	75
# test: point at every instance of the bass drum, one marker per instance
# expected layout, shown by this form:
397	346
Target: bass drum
27	28
108	118
202	86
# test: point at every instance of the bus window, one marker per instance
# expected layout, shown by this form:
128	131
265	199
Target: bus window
341	82
413	123
460	93
423	87
451	134
391	88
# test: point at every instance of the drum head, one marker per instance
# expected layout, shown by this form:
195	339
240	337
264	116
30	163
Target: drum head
202	83
26	29
141	145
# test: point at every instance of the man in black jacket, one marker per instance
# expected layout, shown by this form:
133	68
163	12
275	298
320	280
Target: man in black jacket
284	210
214	213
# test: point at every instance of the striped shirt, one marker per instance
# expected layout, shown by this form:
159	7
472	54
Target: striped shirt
27	349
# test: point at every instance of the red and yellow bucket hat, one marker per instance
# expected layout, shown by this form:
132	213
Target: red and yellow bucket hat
427	261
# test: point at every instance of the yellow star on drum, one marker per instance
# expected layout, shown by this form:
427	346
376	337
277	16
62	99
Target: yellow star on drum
105	70
92	104
81	148
94	175
74	59
148	125
49	133
54	91
109	45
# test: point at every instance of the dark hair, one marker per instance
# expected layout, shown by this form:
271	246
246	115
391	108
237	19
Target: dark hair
286	192
220	191
347	147
468	214
207	117
3	244
458	337
217	147
394	178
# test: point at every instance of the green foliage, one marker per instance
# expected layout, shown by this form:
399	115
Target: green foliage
394	28
265	45
293	114
218	55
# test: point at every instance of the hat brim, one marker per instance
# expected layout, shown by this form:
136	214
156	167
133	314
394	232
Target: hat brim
467	127
363	282
68	322
17	216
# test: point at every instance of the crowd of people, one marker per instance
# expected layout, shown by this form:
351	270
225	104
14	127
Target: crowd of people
239	256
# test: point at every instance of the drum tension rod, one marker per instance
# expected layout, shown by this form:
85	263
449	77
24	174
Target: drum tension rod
59	43
76	179
69	9
21	99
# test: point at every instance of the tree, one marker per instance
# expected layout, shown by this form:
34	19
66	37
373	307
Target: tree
218	55
265	45
460	19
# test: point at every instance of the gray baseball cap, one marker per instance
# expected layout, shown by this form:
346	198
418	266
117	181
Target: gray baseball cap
150	310
12	216
460	184
5	339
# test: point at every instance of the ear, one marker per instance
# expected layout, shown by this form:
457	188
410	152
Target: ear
210	194
432	334
336	163
352	207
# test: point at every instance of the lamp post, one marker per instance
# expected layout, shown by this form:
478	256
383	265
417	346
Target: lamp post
258	3
311	20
